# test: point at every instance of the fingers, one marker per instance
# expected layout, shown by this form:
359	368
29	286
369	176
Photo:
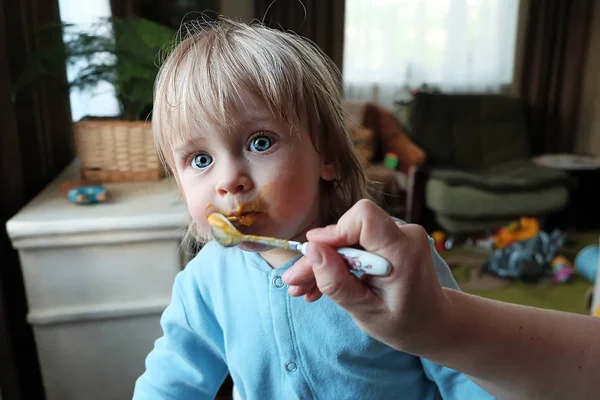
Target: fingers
365	224
301	273
313	295
310	292
334	279
301	290
301	281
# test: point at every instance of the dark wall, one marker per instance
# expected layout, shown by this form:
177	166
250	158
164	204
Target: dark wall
167	12
318	20
35	145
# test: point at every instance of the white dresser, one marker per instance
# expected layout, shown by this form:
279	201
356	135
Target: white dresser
97	279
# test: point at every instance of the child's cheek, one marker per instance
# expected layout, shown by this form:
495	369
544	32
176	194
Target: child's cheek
202	225
290	197
198	208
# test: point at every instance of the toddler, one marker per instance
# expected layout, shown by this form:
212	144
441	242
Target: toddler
250	122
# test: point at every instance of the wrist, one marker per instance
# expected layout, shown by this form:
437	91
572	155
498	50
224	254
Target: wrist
442	331
453	323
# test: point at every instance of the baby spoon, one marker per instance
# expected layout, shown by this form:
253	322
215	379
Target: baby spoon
226	234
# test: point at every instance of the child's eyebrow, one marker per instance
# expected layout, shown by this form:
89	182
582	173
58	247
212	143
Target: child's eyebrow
246	120
186	145
259	118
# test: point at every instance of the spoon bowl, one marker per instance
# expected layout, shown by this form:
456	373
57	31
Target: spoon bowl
227	235
223	231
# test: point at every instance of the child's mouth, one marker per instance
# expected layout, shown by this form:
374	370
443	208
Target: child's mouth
246	219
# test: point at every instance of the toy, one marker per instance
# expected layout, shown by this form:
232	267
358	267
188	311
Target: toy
526	259
586	261
483	240
523	229
84	192
391	161
562	268
439	239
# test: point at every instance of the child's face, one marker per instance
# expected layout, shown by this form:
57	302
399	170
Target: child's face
259	170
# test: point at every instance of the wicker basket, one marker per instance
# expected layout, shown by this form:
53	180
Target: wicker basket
112	150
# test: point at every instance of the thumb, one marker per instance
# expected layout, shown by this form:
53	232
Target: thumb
335	280
365	224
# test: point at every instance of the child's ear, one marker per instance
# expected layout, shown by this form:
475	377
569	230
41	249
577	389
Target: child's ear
327	171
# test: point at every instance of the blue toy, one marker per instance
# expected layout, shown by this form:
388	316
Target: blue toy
586	262
87	195
527	259
84	192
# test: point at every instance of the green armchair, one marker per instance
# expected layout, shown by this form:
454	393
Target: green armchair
478	172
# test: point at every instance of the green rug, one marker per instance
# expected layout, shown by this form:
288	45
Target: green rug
570	297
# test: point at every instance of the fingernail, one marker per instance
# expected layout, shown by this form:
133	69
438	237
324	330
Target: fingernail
286	275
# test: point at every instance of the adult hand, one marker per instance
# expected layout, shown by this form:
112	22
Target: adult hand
508	349
405	309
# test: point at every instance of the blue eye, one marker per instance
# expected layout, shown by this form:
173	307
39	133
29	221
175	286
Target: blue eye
261	143
201	161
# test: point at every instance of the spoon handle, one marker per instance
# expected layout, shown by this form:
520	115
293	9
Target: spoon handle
356	259
359	260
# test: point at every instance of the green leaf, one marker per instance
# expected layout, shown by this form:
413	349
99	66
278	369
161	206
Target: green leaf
119	51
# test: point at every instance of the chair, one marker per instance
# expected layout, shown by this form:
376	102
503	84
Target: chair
478	173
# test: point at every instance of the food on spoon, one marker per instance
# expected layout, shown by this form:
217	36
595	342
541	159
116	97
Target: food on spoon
216	220
244	219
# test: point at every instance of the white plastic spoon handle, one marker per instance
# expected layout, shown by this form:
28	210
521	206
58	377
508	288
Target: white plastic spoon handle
360	260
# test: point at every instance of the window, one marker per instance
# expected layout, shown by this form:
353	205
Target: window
102	101
391	46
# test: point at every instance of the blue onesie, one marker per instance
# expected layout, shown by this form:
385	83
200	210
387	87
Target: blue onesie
230	313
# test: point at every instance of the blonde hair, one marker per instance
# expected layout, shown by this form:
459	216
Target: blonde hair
214	62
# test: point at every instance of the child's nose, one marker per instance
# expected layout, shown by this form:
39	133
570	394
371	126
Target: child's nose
234	183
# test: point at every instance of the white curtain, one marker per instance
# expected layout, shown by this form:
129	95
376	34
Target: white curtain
101	101
393	46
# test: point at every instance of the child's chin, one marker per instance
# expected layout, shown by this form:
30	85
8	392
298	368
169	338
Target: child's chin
254	247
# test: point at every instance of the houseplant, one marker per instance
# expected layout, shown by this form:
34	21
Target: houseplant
124	53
